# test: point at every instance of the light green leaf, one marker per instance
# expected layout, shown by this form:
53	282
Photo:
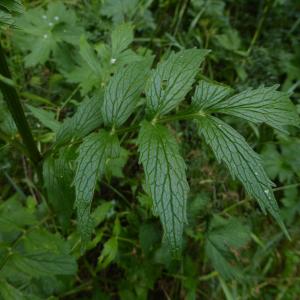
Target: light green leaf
8	292
89	56
121	38
47	118
94	152
223	236
123	92
108	253
261	105
165	180
172	79
231	148
87	118
43	264
14	217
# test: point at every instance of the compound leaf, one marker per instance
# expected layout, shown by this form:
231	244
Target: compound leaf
172	79
231	148
94	152
165	180
123	92
261	105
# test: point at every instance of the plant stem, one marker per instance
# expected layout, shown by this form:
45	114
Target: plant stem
15	107
261	22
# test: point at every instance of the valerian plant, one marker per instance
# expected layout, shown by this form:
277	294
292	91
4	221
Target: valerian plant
143	98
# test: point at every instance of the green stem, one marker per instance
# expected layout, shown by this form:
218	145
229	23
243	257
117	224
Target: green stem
15	107
261	22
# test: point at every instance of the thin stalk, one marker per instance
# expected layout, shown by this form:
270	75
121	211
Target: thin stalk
15	107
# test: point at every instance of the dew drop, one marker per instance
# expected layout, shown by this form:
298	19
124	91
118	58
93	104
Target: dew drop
220	125
56	18
113	61
255	173
44	17
266	191
45	36
50	24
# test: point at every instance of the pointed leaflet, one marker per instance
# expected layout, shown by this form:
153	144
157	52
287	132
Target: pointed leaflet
121	38
87	118
165	179
94	152
261	105
172	80
231	148
123	92
209	94
58	176
89	56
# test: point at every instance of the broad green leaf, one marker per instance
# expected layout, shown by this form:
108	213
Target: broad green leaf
14	217
208	94
40	31
41	253
89	56
121	38
13	5
87	118
123	92
94	152
243	163
172	79
261	105
47	118
58	177
165	180
222	237
8	292
7	9
43	263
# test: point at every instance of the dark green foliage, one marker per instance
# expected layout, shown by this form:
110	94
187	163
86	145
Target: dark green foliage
133	105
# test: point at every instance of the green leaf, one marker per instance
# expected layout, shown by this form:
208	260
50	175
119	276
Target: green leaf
89	56
14	217
8	292
123	92
43	263
87	118
261	105
58	177
208	94
121	38
108	253
231	148
223	236
47	118
8	8
172	79
165	180
41	31
94	152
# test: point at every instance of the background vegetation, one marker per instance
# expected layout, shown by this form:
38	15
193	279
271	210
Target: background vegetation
59	52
